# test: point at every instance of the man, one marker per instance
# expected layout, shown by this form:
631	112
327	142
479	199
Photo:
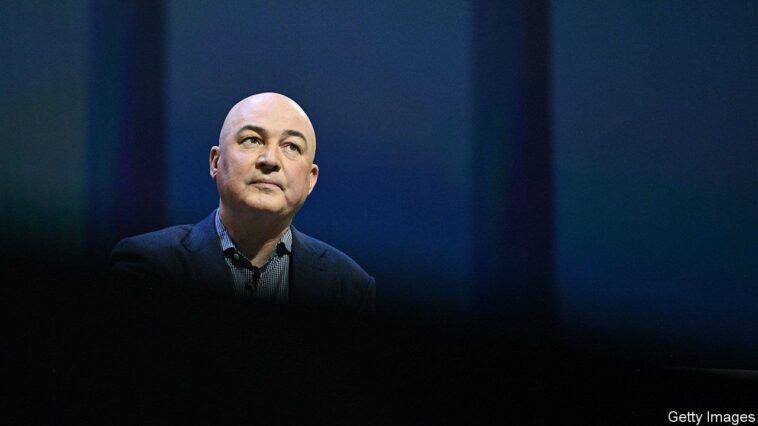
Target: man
264	171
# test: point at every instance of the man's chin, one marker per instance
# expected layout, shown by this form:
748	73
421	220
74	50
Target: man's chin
263	206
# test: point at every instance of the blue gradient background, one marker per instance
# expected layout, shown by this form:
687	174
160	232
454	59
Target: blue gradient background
652	146
655	133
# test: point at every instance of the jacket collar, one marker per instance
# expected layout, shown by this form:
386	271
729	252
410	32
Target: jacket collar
310	281
208	259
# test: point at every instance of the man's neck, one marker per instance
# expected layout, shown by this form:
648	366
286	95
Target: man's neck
254	234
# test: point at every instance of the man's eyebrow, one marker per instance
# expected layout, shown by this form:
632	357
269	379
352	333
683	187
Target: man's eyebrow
251	127
290	132
261	130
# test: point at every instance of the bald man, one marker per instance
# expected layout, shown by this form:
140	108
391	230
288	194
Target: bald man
264	171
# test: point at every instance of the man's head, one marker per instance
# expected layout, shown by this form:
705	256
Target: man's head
264	159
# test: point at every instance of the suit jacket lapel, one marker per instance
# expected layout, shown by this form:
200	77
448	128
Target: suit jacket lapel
207	258
311	281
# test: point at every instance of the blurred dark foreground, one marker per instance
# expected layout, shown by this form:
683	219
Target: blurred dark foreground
82	349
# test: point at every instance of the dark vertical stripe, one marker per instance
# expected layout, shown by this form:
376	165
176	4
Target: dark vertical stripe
125	154
513	254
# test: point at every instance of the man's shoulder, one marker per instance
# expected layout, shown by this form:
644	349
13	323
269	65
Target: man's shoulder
349	286
172	238
340	261
156	241
161	255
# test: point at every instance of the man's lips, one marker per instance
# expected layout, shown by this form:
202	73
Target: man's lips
267	182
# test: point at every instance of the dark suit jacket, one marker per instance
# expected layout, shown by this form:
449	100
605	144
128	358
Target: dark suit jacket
189	257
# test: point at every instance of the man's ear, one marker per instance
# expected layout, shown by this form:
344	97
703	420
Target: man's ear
312	178
213	161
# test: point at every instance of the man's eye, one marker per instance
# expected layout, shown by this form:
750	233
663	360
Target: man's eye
291	147
252	140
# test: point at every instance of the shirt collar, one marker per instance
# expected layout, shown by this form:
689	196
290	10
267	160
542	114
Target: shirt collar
283	247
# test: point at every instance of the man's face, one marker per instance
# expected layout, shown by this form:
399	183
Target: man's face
264	161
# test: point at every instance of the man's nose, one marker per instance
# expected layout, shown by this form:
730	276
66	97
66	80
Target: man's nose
268	160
